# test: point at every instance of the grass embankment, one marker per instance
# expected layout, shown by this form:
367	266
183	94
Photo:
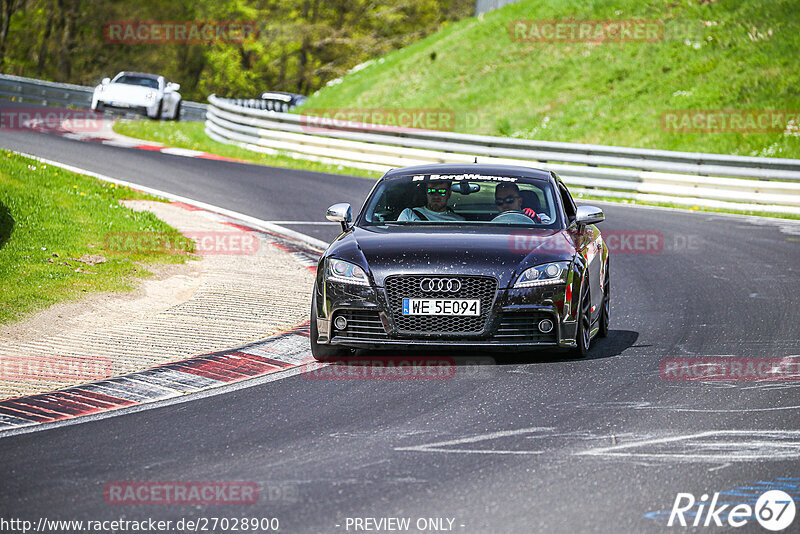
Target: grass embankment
192	135
711	55
50	219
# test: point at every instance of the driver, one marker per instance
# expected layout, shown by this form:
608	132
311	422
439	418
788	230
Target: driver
507	198
436	208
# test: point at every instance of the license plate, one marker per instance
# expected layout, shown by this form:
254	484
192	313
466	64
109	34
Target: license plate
441	307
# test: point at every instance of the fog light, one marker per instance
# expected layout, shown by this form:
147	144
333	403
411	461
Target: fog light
545	326
340	323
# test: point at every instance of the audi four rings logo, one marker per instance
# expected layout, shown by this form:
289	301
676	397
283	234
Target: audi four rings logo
444	285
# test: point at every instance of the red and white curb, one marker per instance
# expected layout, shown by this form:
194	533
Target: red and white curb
107	136
150	147
281	352
277	353
214	212
301	253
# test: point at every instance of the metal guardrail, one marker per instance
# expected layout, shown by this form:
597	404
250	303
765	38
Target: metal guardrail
542	151
46	93
710	180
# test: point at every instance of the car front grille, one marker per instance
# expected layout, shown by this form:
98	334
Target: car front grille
361	324
523	327
472	287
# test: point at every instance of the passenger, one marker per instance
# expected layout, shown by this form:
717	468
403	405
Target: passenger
507	198
436	208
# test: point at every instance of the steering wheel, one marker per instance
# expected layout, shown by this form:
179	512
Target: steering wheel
513	217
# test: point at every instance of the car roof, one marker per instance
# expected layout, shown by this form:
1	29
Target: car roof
471	168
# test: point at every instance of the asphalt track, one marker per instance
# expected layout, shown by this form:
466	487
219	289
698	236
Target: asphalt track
526	444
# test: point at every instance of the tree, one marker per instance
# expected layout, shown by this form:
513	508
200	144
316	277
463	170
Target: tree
7	9
302	44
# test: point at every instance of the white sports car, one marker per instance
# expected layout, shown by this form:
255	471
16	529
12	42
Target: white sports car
148	94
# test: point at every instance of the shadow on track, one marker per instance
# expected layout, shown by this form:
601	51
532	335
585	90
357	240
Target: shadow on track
6	225
614	345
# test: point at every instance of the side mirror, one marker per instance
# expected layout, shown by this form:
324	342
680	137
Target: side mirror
105	81
341	213
588	215
173	86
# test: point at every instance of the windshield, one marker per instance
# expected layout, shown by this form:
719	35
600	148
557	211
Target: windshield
463	199
143	81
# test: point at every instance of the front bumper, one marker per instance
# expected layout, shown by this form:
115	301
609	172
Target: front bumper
149	109
511	323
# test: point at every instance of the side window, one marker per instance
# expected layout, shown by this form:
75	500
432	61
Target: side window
569	204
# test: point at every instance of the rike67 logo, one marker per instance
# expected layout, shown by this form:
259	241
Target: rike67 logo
774	510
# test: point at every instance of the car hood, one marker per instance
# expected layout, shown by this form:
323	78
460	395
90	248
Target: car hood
501	252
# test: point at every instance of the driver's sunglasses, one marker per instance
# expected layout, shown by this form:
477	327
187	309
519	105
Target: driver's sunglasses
507	200
436	191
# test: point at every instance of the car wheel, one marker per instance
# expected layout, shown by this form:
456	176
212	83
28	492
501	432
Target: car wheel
157	116
177	115
98	107
323	353
606	309
582	336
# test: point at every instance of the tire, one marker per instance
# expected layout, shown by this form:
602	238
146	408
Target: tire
99	107
177	116
157	116
606	306
323	353
584	330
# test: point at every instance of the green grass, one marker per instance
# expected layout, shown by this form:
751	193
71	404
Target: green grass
48	219
723	54
192	135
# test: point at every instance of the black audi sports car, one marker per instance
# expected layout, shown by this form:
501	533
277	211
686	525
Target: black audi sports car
462	255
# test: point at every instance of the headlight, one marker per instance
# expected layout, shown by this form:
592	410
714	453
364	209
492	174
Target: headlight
346	273
542	275
150	95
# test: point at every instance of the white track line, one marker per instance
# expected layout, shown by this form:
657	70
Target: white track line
255	222
441	446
